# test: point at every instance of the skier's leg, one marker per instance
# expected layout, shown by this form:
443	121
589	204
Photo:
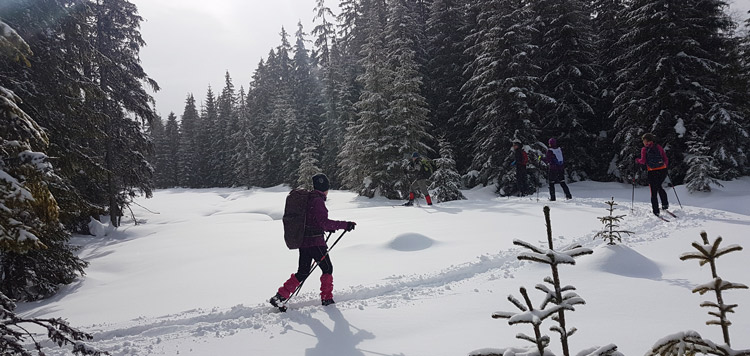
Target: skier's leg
521	180
552	190
412	189
423	189
566	190
662	192
288	287
653	185
326	289
306	255
326	279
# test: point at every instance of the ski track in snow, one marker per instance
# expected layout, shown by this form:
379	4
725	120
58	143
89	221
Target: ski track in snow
142	334
145	334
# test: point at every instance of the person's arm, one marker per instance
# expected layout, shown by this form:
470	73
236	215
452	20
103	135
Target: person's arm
642	160
320	214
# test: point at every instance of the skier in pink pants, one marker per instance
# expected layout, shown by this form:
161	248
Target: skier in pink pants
314	245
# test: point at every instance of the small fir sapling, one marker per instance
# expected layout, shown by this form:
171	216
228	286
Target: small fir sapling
532	316
560	297
690	342
611	223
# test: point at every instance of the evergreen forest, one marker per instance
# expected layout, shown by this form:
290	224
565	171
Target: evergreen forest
455	80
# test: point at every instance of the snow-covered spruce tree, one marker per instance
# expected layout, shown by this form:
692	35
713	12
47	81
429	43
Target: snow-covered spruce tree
245	155
23	172
326	57
225	127
608	26
446	182
502	90
170	152
156	135
446	28
690	342
259	97
611	223
189	151
362	163
206	140
406	118
29	213
675	84
29	217
308	166
567	60
292	136
308	99
58	92
120	77
702	171
307	92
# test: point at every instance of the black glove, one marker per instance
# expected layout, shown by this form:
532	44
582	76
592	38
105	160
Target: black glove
350	225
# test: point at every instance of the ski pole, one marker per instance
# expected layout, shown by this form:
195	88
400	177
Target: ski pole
538	178
632	198
312	269
675	190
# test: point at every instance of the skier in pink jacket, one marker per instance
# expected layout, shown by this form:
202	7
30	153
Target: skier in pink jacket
314	245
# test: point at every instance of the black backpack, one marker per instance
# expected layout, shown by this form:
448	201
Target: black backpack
295	213
653	157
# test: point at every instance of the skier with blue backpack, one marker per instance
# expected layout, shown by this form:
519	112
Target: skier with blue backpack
556	169
656	162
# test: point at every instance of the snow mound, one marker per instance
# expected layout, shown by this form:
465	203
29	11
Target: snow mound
411	242
99	229
624	261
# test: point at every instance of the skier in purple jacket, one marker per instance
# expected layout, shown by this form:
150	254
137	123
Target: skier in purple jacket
314	245
556	166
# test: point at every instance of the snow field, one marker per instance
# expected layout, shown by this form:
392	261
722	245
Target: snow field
194	275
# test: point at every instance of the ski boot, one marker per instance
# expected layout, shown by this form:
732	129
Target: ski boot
278	302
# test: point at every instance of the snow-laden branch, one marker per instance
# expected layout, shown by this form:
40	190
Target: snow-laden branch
717	284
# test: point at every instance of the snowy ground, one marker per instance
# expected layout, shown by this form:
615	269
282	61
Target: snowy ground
193	277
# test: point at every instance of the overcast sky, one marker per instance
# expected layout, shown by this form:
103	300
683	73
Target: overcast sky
192	43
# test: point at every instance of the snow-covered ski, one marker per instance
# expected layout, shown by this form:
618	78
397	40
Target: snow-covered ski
662	218
670	213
